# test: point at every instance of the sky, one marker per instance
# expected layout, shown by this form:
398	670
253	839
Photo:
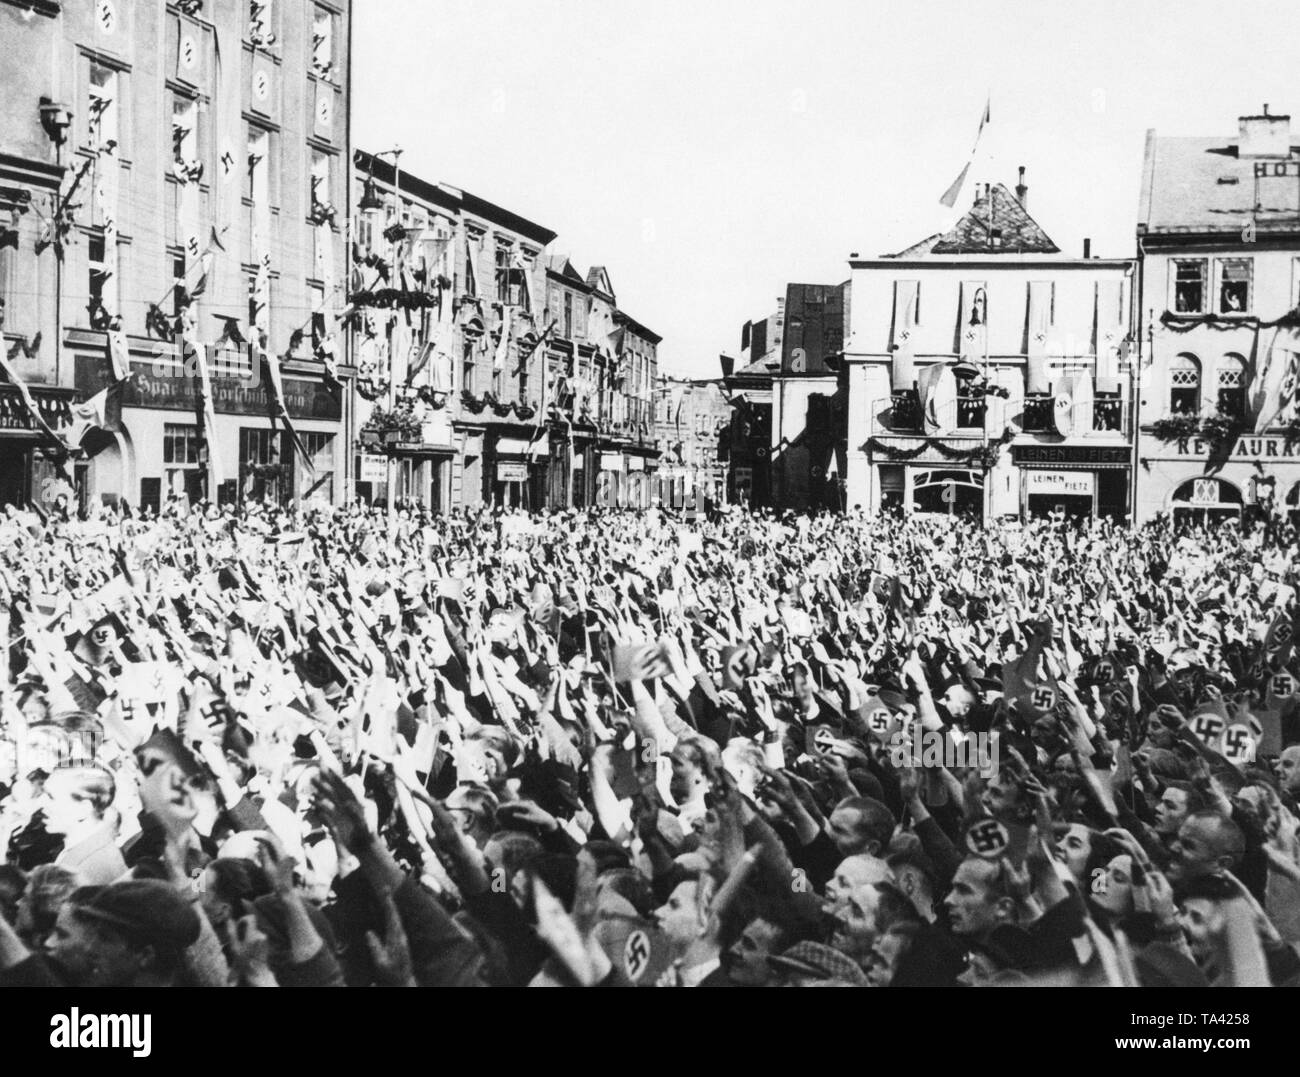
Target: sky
706	152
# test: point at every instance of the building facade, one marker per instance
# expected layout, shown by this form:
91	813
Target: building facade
986	373
1219	243
446	294
188	159
809	400
602	366
692	424
488	370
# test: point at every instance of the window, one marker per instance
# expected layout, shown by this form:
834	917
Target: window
257	185
1185	385
970	405
1232	386
322	43
316	293
260	474
568	314
320	450
1189	286
523	380
467	368
1234	285
518	279
503	274
180	297
102	109
322	185
101	282
185	132
180	458
261	21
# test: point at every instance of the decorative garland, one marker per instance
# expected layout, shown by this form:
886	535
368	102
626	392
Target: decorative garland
1183	323
1220	432
475	405
984	456
393	299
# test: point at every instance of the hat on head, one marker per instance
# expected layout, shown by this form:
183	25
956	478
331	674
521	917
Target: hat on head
821	962
145	909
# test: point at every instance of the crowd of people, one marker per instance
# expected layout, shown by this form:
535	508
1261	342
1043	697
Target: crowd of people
330	746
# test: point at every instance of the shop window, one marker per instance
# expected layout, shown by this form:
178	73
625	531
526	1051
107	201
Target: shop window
320	450
180	458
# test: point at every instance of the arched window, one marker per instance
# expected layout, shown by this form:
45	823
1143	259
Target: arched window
1185	385
1293	504
1232	386
1206	500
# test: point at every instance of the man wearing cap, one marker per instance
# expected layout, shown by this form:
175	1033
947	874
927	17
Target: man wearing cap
807	964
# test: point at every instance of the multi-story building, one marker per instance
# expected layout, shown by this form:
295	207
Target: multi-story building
692	425
603	365
448	291
487	369
1219	244
808	400
748	440
984	373
180	159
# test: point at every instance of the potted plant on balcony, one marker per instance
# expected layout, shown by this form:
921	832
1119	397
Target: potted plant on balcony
386	427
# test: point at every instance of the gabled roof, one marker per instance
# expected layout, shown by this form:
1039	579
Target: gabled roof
996	224
1201	185
598	280
560	265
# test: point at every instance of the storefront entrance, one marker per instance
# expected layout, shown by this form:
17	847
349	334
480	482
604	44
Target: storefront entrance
15	472
954	492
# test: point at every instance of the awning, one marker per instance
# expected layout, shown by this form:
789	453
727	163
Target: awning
511	447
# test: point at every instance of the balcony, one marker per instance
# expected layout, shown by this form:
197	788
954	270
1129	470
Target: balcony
1109	415
905	413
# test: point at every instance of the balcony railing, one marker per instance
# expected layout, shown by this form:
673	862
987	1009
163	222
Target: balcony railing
1037	414
1108	414
905	412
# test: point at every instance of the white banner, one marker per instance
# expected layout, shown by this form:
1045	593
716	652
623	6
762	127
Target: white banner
1069	483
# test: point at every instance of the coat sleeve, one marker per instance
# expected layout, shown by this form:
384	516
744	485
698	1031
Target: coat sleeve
441	953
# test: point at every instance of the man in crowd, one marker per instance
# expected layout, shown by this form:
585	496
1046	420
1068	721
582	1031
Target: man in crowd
280	747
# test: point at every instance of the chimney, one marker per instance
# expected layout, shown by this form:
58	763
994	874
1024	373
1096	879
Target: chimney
728	365
1264	136
1022	192
1087	247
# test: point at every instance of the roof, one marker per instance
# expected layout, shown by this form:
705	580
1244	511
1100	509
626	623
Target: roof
455	200
558	265
598	280
758	367
1201	185
626	320
974	234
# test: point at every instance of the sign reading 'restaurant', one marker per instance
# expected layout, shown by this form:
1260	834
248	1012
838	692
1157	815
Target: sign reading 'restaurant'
1247	448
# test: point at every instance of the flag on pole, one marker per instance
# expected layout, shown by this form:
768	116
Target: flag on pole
87	416
1273	387
950	196
276	382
